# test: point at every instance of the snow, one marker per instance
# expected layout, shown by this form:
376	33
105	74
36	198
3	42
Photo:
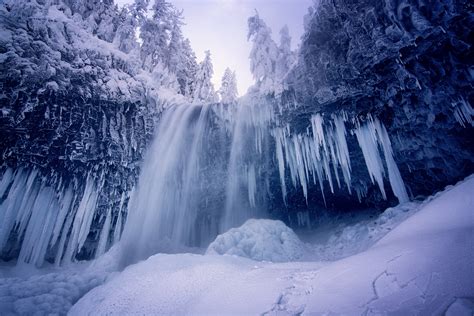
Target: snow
422	266
261	240
25	290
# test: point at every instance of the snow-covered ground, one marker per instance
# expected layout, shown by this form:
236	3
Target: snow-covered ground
423	265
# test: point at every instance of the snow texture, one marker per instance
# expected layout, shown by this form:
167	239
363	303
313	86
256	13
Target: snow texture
423	266
261	240
25	290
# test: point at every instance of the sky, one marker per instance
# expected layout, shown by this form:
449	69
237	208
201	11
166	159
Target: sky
221	27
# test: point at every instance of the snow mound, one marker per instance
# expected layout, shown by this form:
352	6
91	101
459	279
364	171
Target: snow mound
25	290
349	238
259	239
53	293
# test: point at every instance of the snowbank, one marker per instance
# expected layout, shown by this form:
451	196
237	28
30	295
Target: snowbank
261	240
348	235
25	290
423	266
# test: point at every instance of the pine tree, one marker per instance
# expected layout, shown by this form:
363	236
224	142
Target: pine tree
107	20
263	55
174	52
187	72
204	91
101	16
130	18
286	59
154	34
228	90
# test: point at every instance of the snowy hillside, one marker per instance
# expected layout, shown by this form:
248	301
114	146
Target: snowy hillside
423	266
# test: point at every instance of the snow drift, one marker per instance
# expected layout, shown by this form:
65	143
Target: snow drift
259	240
423	266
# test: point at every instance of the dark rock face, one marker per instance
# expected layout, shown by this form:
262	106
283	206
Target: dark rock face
409	63
70	110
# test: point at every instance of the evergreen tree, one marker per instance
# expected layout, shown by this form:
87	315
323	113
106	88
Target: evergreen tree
263	55
101	16
154	34
204	91
130	18
228	90
188	69
286	59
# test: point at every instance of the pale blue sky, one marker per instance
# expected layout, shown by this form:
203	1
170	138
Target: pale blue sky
221	27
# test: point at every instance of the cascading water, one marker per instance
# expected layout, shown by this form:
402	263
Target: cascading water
209	168
200	178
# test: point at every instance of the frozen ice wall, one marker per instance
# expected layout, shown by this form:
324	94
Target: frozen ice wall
212	167
41	219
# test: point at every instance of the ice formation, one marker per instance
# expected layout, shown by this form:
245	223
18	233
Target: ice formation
262	240
463	112
41	220
207	171
323	153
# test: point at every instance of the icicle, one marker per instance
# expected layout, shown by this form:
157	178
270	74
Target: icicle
396	181
463	113
367	138
104	235
38	232
66	203
118	228
252	185
82	220
279	139
342	148
303	219
118	224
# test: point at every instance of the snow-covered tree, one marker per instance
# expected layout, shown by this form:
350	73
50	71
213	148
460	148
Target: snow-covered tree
204	91
130	18
263	55
154	34
107	20
173	57
180	58
285	60
187	70
228	90
101	16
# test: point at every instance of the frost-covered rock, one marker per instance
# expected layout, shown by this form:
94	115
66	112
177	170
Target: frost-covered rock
77	111
405	62
259	239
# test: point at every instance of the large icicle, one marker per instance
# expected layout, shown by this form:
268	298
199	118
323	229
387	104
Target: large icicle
326	153
36	217
395	178
370	136
367	138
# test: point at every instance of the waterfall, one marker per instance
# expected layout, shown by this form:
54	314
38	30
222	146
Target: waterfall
208	169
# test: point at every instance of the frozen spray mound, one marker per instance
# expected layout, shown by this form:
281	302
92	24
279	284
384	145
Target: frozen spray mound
53	293
259	239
